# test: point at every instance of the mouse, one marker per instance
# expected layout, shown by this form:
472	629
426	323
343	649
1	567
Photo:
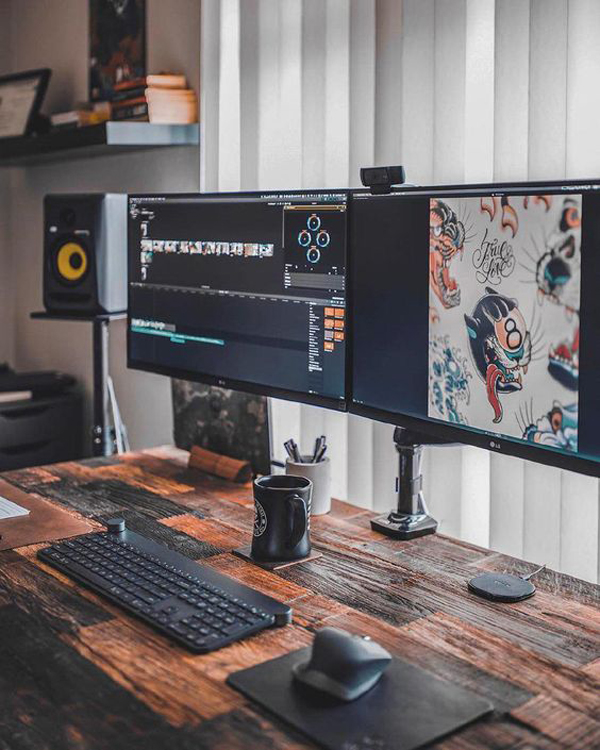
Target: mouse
342	665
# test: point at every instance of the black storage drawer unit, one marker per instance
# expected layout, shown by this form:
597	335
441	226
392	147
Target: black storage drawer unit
40	431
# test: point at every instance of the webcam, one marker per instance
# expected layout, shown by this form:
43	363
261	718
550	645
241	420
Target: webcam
381	179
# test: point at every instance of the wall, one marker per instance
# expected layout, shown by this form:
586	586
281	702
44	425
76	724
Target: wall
55	36
6	287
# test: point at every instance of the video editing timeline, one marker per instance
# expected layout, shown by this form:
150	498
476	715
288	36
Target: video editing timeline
226	288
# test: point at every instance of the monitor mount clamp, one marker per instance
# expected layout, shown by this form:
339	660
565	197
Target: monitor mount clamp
411	517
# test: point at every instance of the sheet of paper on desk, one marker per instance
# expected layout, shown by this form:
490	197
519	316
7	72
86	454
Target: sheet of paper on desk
11	510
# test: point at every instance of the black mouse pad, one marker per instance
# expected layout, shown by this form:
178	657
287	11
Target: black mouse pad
405	710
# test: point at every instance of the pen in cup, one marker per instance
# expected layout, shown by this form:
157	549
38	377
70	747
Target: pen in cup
293	451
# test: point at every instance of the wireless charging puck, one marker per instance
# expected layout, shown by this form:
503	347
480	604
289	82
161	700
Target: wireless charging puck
501	587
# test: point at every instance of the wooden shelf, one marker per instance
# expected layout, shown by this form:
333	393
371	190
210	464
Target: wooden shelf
42	315
95	140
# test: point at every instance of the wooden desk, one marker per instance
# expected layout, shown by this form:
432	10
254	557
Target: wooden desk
75	672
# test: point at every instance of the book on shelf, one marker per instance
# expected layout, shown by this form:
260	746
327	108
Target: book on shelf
129	101
170	100
134	83
7	397
138	111
125	94
76	119
167	81
160	98
83	113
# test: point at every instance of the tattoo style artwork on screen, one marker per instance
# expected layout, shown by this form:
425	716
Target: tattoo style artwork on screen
504	281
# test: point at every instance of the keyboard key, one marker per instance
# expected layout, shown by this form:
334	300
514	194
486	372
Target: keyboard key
233	629
252	619
177	628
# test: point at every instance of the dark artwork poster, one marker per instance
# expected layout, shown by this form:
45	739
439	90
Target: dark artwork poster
117	44
227	422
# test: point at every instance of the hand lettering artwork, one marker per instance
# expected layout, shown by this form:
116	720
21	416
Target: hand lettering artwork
494	260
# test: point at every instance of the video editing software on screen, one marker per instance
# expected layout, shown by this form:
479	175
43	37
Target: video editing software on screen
241	288
476	310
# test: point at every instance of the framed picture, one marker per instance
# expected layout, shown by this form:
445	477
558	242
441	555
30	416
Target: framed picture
227	422
117	45
21	96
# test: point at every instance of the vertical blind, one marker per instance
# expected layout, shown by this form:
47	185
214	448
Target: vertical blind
301	93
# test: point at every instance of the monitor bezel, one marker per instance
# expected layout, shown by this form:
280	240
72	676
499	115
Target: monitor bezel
245	386
452	434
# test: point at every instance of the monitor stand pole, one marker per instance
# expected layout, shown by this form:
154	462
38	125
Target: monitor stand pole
411	518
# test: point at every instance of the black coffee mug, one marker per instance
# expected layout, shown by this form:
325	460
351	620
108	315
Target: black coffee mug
281	517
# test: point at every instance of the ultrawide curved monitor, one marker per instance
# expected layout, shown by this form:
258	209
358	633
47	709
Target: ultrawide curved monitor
241	290
476	316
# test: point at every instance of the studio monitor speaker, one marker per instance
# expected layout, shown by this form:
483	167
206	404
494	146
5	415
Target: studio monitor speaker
85	253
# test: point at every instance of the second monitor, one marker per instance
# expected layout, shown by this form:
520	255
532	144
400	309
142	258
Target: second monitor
243	290
469	304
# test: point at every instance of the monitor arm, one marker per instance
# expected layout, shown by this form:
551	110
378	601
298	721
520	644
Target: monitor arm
411	517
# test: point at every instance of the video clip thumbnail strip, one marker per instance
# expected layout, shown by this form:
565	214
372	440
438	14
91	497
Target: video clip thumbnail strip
217	249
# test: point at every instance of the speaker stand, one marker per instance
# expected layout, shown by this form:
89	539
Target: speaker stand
410	518
106	437
109	434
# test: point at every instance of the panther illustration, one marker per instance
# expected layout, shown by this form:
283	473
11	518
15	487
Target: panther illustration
500	345
446	239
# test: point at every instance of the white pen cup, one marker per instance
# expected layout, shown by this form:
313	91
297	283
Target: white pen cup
320	475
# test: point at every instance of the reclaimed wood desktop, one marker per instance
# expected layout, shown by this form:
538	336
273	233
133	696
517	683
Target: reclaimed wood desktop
76	672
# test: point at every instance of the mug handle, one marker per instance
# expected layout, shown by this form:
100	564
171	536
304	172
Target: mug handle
297	520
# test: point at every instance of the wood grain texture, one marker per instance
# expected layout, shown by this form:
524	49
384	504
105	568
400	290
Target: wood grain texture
78	673
559	722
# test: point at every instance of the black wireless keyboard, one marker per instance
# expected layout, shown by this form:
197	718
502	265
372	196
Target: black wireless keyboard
192	604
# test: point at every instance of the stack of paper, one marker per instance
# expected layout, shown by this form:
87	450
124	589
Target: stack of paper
11	510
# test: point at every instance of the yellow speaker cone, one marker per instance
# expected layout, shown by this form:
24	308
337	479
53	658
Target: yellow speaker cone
71	261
